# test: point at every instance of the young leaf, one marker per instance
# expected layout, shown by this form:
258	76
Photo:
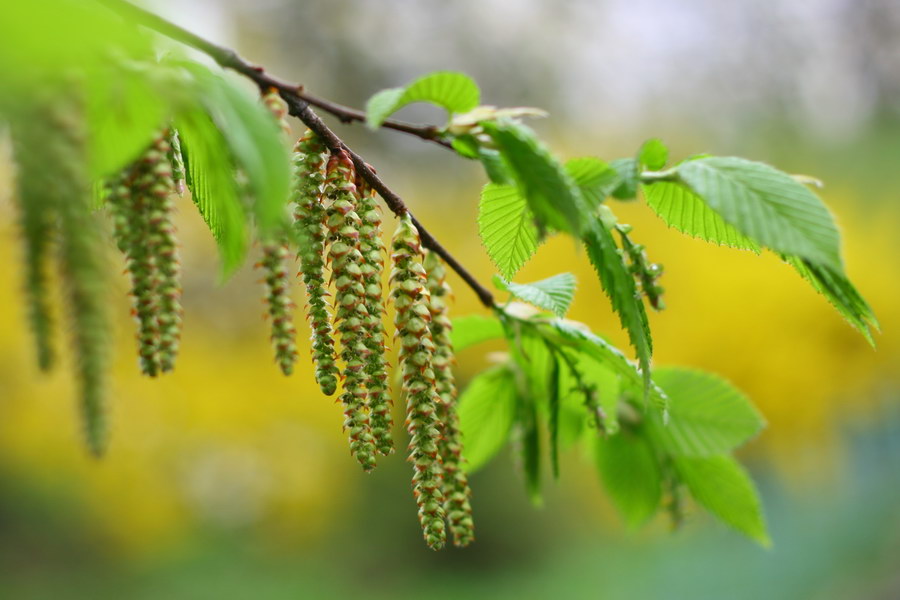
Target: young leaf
507	228
628	172
722	486
707	415
838	290
595	178
455	92
487	410
767	205
554	293
553	197
631	475
619	285
474	329
683	210
653	154
210	177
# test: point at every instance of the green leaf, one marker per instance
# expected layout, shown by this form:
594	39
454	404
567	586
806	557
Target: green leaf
255	143
631	474
767	205
210	177
554	199
456	92
722	486
466	145
487	410
653	154
685	211
628	172
507	228
838	290
126	110
595	178
619	285
571	334
707	415
554	293
474	329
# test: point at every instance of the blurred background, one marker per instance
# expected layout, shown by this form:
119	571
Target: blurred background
228	480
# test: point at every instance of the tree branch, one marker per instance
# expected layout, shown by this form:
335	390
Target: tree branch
299	105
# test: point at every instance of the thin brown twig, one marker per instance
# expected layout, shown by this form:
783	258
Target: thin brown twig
299	104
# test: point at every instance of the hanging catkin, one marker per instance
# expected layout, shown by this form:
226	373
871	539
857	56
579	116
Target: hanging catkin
372	251
350	302
82	267
309	175
161	235
37	211
456	484
275	264
410	294
141	207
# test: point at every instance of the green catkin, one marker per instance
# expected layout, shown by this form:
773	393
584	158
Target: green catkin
372	251
159	189
278	299
456	483
83	269
350	307
411	300
176	159
36	208
309	175
276	268
141	207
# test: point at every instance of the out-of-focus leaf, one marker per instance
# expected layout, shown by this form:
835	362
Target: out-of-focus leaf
707	415
631	475
838	290
595	178
722	486
474	329
456	92
487	411
653	154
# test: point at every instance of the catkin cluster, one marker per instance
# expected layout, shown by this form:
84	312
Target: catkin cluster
139	200
456	483
417	349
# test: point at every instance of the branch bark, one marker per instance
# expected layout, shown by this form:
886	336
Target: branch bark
299	104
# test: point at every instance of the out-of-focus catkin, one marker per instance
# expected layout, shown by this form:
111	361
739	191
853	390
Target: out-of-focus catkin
411	299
